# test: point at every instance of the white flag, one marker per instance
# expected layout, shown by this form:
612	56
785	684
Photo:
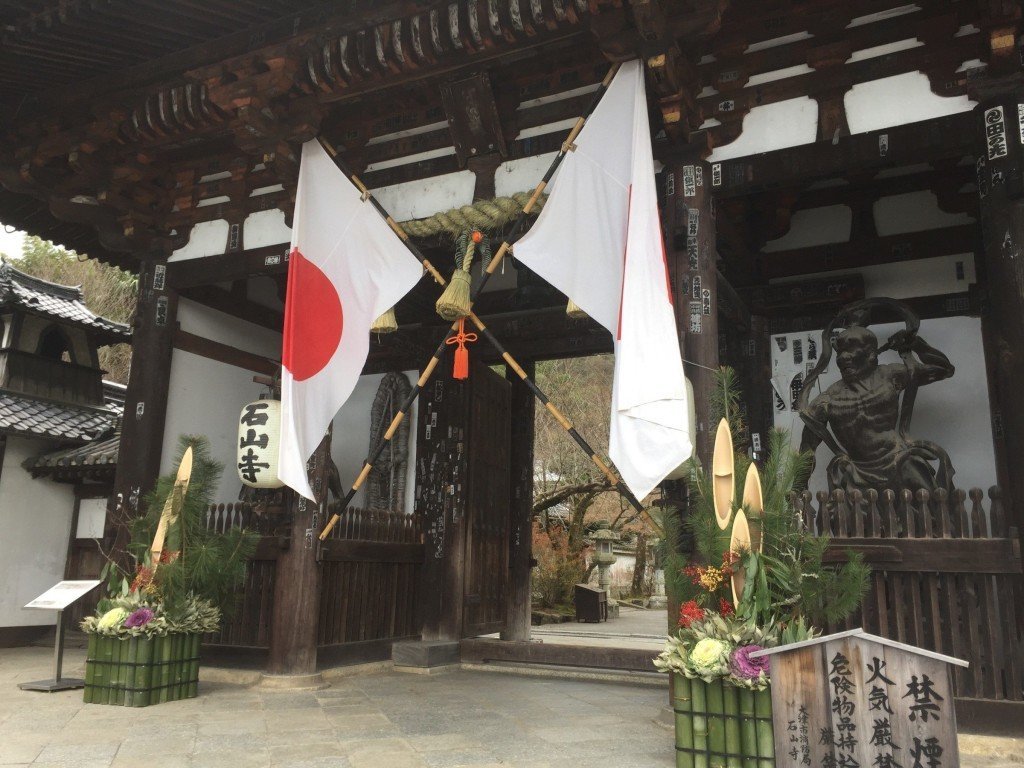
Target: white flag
598	240
346	268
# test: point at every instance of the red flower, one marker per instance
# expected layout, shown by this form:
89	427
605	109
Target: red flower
690	612
143	578
725	607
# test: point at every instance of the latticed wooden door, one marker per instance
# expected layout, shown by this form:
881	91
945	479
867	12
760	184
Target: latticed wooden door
487	503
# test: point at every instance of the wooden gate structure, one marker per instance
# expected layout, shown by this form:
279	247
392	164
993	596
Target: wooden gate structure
165	137
946	576
371	565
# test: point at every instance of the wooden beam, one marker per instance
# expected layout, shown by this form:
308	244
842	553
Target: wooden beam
890	249
224	353
523	408
224	301
228	267
923	142
145	407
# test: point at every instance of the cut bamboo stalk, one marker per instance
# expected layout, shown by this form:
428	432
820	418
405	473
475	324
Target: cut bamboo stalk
748	728
716	723
753	503
178	664
723	475
698	700
765	732
90	670
165	667
682	706
117	676
738	544
130	665
733	743
144	675
107	666
169	514
193	675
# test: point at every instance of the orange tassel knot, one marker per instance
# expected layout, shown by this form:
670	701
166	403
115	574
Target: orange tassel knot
461	367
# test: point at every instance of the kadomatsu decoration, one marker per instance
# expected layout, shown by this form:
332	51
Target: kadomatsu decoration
757	581
144	639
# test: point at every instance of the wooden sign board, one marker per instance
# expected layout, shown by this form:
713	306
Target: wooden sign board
854	699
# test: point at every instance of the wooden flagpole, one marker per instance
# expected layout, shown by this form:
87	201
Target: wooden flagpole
492	266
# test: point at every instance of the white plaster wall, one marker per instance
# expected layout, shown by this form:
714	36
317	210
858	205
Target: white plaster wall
896	100
953	413
913	212
907	279
263	228
208	238
773	126
425	197
35	521
33	326
814	226
206	396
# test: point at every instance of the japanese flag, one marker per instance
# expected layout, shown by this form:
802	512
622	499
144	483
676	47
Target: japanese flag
346	268
598	240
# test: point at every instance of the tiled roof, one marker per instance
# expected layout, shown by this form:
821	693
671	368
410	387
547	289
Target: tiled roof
41	418
61	302
99	456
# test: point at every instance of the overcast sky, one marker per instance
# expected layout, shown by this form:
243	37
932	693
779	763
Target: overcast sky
10	243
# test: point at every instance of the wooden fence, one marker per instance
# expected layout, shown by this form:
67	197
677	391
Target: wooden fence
946	576
370	569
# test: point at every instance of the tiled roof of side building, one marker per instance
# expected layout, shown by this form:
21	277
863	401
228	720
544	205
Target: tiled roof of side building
61	302
39	418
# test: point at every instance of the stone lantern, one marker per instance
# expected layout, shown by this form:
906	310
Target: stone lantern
603	557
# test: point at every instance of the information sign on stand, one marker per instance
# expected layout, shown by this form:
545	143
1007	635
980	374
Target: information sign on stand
854	699
57	598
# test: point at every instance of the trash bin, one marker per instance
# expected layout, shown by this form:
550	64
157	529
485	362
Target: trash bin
591	603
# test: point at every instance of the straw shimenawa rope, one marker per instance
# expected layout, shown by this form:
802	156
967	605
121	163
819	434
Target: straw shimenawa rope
484	215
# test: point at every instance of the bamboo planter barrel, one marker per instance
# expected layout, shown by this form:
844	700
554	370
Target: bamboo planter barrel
140	671
721	726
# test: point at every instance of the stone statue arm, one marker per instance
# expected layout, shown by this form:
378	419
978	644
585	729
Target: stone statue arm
815	418
924	364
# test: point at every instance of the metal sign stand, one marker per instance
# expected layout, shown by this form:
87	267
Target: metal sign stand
57	683
57	598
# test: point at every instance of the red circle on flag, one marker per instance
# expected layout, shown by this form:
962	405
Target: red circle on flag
313	319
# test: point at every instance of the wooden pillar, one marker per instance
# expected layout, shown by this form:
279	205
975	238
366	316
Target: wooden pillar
440	499
517	625
296	614
145	405
690	244
1000	169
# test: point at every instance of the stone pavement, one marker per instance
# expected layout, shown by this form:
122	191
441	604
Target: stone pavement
383	719
634	628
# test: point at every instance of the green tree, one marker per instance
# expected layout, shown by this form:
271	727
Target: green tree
108	291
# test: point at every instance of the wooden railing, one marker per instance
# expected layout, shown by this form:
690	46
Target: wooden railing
51	379
946	576
369	574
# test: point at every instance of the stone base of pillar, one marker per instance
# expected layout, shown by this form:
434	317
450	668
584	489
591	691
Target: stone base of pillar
425	654
657	601
313	682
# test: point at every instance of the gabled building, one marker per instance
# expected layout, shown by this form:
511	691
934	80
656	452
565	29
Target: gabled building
59	427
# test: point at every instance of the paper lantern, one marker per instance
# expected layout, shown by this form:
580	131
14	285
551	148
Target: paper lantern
722	470
738	544
681	472
259	444
753	502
